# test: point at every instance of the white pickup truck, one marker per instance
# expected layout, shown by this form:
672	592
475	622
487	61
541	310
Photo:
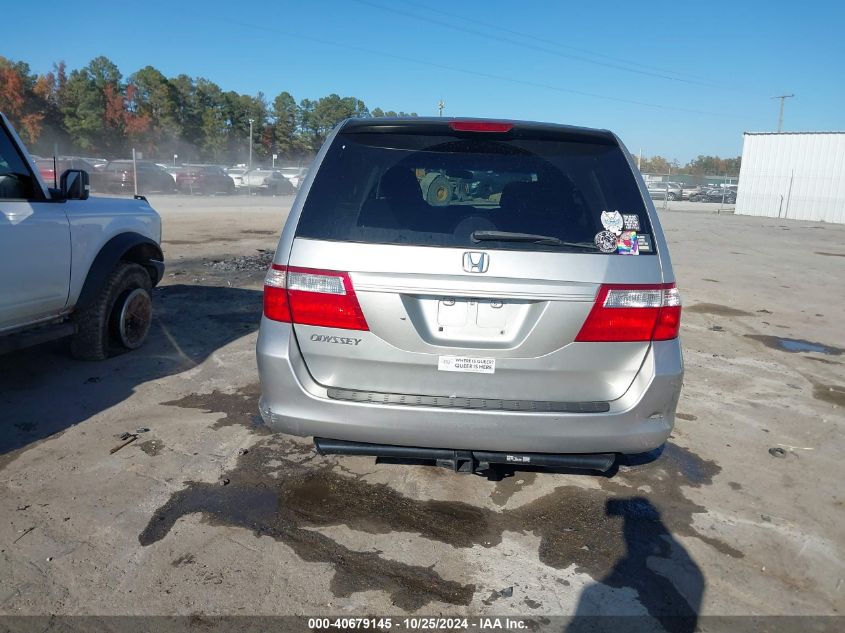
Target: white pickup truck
71	265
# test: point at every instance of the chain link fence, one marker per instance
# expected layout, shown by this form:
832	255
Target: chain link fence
715	193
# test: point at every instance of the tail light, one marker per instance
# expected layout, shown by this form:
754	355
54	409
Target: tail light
633	313
308	296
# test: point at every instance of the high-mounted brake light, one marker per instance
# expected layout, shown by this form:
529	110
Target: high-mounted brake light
633	313
480	126
308	296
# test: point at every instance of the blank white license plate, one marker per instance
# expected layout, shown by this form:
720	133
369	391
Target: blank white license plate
465	363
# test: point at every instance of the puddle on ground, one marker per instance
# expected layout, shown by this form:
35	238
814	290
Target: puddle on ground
602	531
240	407
717	309
834	394
509	486
795	345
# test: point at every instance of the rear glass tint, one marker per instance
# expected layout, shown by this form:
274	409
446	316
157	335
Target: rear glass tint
424	190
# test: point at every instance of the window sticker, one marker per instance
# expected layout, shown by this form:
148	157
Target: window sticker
606	241
644	242
631	221
627	243
612	221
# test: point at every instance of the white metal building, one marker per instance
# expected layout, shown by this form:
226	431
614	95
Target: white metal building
795	175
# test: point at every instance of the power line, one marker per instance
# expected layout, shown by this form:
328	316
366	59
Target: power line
628	67
476	73
534	38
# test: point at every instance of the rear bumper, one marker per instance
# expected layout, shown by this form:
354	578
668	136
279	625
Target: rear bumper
292	402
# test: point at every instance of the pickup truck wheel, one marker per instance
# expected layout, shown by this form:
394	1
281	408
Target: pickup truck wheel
120	318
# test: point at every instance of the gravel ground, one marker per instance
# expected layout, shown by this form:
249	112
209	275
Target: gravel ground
206	513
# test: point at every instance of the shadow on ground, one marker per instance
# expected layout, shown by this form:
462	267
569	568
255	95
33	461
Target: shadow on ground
44	391
668	582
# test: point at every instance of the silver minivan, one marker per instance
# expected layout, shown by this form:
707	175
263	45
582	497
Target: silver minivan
475	293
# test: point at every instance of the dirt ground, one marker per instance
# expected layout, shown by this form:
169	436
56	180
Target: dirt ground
206	512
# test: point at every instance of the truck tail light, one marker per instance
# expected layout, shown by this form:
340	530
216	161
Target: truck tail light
308	296
633	313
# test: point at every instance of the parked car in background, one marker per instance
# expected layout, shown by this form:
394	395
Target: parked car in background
237	175
296	175
97	162
721	194
205	179
715	194
267	181
690	190
119	177
532	325
662	190
63	163
174	171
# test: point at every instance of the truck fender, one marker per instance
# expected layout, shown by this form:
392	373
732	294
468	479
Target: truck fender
128	247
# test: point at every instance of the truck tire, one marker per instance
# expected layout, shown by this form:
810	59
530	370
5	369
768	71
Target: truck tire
120	317
437	190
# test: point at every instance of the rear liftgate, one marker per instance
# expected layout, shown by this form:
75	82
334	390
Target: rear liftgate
466	461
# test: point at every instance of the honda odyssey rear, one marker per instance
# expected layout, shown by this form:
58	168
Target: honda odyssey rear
474	292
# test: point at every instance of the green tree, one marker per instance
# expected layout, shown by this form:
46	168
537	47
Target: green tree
94	109
713	165
238	110
655	165
156	99
285	133
214	134
320	117
214	129
90	108
188	116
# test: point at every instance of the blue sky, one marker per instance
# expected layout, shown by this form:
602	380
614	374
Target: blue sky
672	78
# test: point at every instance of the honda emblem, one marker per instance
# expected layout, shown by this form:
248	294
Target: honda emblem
476	262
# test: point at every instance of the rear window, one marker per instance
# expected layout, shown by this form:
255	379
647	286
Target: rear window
424	190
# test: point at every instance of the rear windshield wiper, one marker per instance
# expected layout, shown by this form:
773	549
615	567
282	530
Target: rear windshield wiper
546	240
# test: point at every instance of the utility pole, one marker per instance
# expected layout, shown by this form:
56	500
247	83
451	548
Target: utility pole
251	121
441	106
780	117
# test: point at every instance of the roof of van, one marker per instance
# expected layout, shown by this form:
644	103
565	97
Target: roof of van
442	125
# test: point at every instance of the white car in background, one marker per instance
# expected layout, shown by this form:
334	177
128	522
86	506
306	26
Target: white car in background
237	175
296	175
269	181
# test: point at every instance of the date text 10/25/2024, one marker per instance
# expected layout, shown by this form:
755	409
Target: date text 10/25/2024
420	624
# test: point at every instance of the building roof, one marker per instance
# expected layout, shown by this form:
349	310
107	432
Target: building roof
786	133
